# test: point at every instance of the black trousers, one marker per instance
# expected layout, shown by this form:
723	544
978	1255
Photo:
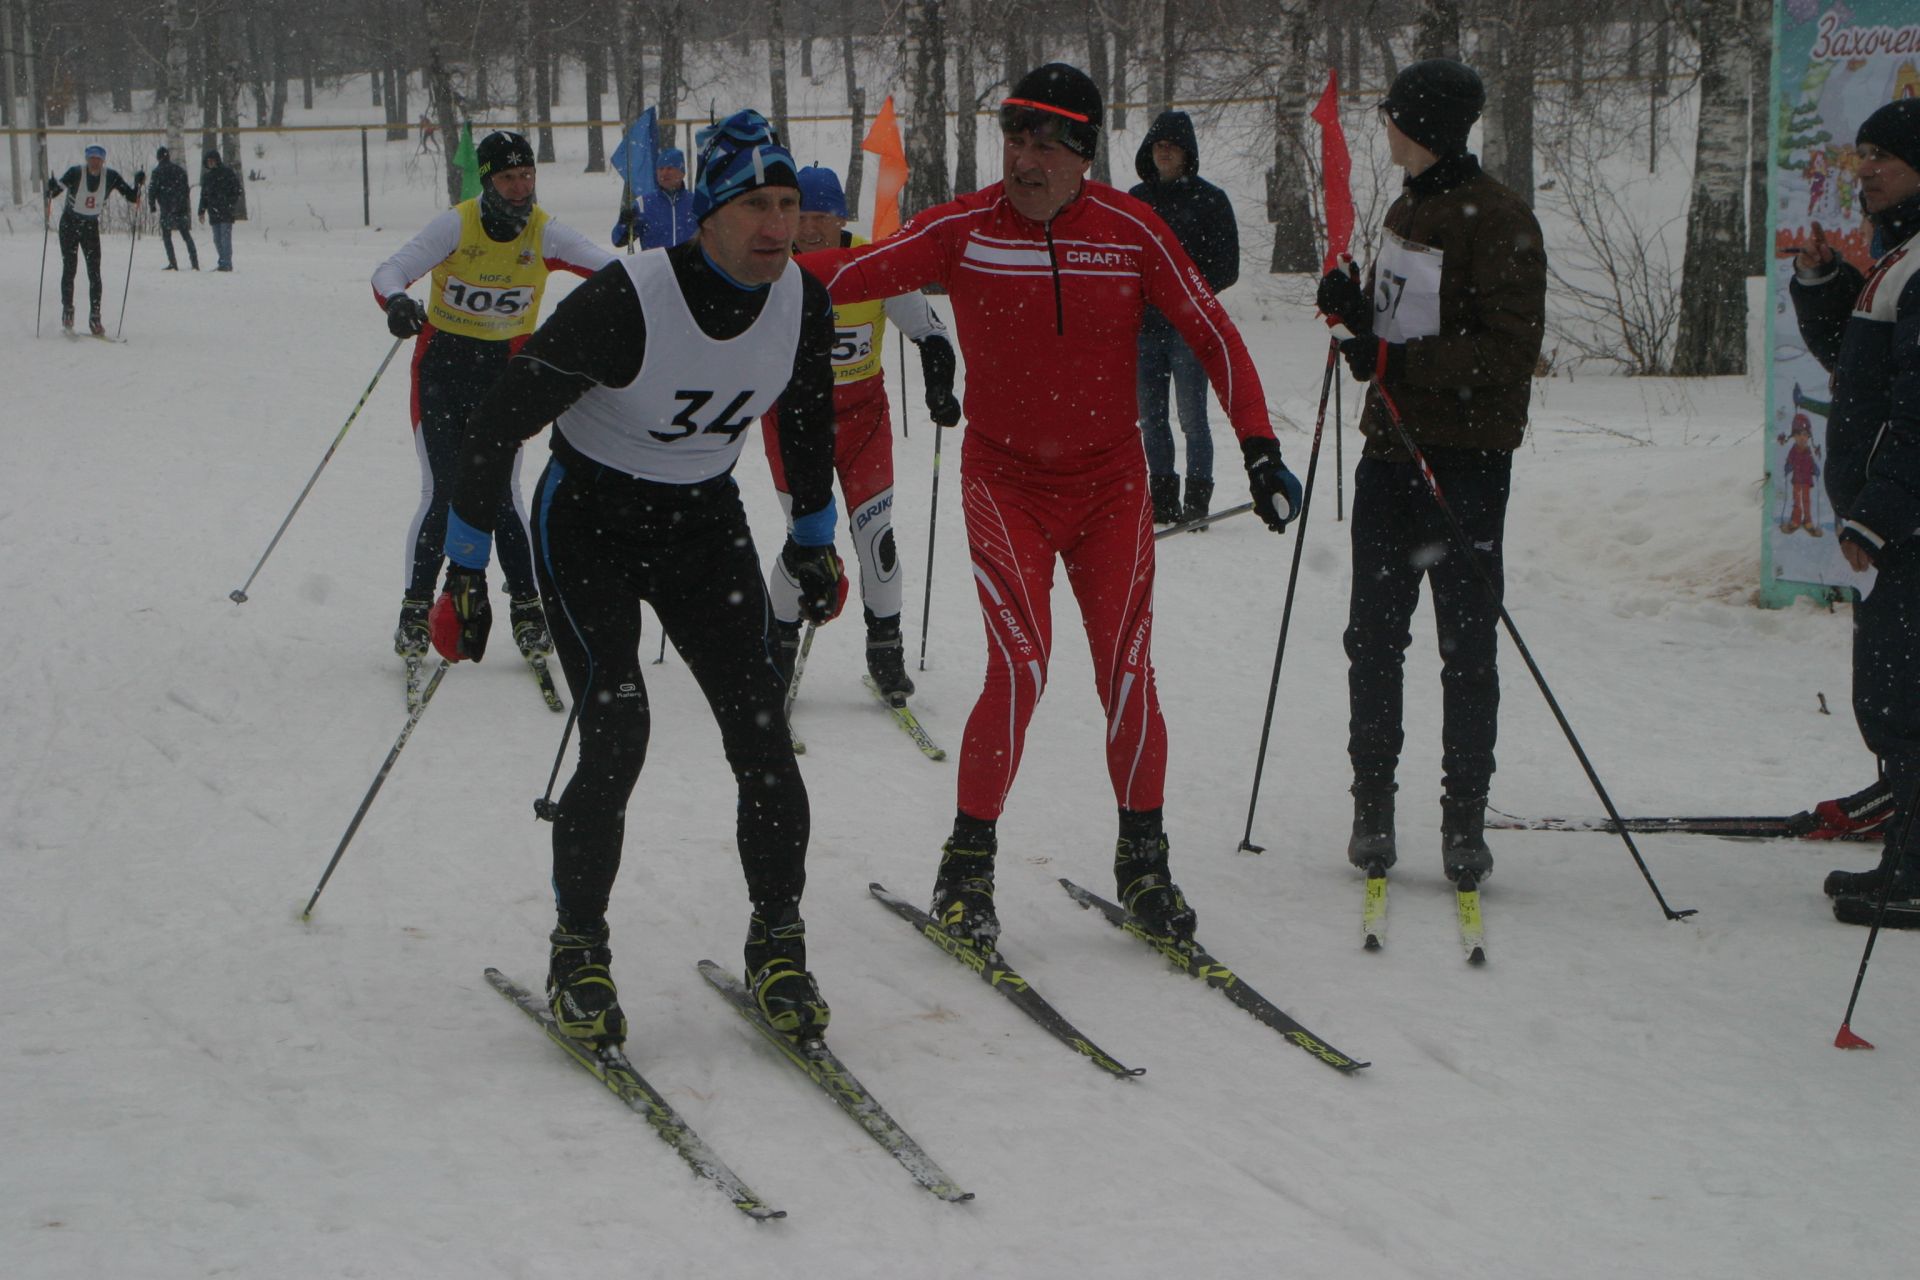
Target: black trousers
170	223
1400	538
1886	684
450	378
77	236
603	543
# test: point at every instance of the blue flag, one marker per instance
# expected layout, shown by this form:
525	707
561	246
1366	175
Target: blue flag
634	158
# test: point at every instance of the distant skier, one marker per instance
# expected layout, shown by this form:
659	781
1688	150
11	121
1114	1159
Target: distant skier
651	373
489	258
1866	331
86	187
863	441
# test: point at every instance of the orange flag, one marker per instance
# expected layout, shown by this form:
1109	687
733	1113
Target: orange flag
883	140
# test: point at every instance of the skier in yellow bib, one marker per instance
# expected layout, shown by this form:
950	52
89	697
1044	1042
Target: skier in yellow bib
488	260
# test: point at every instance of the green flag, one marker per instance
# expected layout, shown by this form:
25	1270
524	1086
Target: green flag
467	163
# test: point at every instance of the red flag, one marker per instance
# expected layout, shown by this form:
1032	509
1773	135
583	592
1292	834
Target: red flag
883	140
1336	172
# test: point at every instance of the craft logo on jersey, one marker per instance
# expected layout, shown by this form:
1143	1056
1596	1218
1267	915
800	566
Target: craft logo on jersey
1096	257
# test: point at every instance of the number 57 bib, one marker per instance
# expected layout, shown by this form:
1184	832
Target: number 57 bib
1406	290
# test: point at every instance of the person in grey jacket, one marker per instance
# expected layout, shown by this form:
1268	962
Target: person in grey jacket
1202	220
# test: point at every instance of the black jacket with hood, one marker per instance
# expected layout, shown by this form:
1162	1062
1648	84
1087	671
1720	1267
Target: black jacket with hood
1199	213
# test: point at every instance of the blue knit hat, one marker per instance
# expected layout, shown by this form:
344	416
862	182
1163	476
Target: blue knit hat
96	150
738	155
672	158
820	191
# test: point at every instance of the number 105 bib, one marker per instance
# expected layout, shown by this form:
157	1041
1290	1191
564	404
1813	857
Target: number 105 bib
1406	290
489	289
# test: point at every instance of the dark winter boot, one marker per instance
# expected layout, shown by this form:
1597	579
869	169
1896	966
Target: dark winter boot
887	659
529	627
411	638
963	890
786	648
1154	903
1371	846
1199	499
1165	491
66	319
580	988
94	326
776	955
1463	842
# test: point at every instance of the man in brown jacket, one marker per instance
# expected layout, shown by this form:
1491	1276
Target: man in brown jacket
1450	326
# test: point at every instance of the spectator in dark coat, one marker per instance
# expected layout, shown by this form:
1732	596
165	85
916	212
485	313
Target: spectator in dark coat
1866	330
171	196
220	199
1201	218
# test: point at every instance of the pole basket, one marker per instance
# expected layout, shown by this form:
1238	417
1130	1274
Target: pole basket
1848	1040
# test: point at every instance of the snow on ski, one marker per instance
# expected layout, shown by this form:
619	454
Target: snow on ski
993	969
822	1066
611	1068
1199	964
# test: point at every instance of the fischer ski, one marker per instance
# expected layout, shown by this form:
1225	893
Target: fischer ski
993	969
1373	914
822	1066
1199	964
1799	826
611	1068
1473	932
909	723
537	663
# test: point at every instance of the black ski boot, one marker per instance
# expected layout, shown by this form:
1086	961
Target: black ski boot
1867	884
1165	491
411	639
963	890
1463	842
887	659
529	627
580	988
1153	901
66	319
94	326
1371	845
1199	501
776	954
785	645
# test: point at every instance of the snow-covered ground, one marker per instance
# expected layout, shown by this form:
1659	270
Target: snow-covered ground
194	1083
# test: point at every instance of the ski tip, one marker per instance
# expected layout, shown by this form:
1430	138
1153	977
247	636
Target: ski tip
1477	956
1848	1040
1371	942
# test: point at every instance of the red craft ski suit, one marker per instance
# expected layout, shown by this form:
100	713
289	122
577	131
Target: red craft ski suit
1047	316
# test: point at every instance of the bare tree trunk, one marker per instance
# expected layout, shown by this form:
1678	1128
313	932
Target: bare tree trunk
1097	67
306	79
923	61
175	104
1657	89
442	34
1713	294
1289	206
36	100
966	98
1507	128
776	18
1759	100
857	105
1169	52
1116	105
523	59
6	87
673	53
210	89
256	65
277	112
543	93
594	54
1437	29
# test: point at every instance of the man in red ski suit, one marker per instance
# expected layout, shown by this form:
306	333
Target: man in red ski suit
1049	275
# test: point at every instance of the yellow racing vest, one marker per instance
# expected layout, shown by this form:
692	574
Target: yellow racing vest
488	289
858	328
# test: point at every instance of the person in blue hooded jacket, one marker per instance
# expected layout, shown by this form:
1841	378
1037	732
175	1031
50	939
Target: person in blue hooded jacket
1201	217
664	218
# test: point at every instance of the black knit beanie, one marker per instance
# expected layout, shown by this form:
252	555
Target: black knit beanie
1072	93
1435	102
1895	129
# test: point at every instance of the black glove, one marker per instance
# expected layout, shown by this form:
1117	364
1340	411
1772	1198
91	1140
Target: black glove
623	227
139	179
1276	491
1341	298
405	317
936	368
822	581
461	617
1364	358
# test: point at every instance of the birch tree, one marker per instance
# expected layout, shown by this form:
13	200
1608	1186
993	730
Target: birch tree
1713	300
923	64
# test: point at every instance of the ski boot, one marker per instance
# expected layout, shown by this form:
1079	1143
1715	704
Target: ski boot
1165	493
1864	811
887	659
1463	842
776	954
963	889
94	326
1154	904
529	628
580	988
1199	501
66	319
411	638
1371	845
786	649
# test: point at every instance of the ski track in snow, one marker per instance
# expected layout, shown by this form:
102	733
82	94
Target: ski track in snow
194	1083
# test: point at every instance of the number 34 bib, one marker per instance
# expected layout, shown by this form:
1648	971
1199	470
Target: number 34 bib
1406	290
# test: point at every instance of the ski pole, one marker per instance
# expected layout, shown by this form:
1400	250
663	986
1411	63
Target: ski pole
1339	460
40	297
1846	1038
1286	610
1464	546
121	326
1203	521
544	808
799	669
239	594
933	529
413	718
